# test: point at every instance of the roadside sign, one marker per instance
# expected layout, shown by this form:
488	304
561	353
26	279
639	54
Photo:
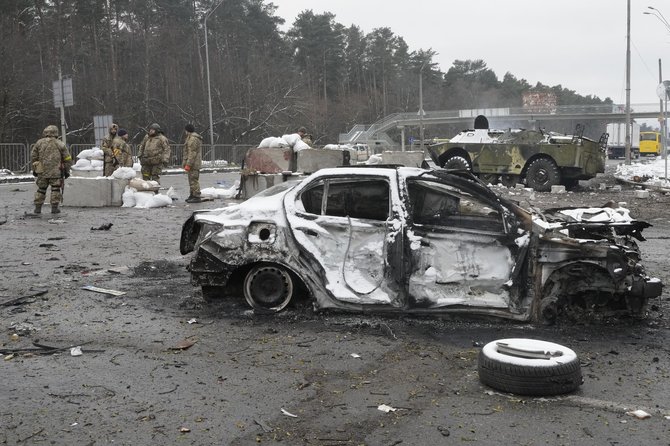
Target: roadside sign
63	96
101	125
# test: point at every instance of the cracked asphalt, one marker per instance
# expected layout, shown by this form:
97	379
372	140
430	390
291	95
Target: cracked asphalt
150	375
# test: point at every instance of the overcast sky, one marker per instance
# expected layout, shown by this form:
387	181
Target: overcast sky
579	44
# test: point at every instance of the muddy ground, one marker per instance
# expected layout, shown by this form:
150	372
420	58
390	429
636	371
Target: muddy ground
134	385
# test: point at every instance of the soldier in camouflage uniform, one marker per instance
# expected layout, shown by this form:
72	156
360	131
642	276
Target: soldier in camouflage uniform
51	162
122	156
154	153
106	146
192	157
306	137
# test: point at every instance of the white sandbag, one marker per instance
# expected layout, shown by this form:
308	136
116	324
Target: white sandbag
137	167
128	197
266	142
140	184
219	192
146	200
96	164
374	159
82	164
172	194
124	173
96	154
278	143
300	145
85	154
291	139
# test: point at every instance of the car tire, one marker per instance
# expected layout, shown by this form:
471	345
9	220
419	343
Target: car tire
542	173
511	365
268	288
456	163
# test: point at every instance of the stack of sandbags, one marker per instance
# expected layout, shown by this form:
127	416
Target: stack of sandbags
293	141
132	198
89	159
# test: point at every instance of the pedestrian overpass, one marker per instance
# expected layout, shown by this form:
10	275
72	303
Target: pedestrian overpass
376	134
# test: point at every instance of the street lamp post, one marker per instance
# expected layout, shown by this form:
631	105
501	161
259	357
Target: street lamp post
421	103
209	88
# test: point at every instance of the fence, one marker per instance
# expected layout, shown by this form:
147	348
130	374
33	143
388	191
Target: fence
16	157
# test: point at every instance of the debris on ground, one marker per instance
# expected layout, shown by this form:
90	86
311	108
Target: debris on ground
103	290
386	409
76	351
287	413
18	300
103	227
23	328
184	344
639	414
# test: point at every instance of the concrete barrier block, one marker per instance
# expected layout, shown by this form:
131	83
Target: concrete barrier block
519	186
255	183
264	160
311	160
93	192
558	189
641	194
409	159
616	188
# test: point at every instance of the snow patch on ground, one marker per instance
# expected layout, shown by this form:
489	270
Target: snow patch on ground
649	172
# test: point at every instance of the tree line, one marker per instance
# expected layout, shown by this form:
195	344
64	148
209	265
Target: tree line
143	61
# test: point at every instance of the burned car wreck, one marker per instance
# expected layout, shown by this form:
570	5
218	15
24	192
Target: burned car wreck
397	239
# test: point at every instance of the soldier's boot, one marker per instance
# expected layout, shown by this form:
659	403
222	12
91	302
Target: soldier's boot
38	209
54	209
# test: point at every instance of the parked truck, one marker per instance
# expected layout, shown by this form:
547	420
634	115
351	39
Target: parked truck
616	143
540	159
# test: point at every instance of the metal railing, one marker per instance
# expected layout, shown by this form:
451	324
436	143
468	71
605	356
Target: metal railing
15	157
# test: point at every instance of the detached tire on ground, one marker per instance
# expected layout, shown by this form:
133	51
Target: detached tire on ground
529	367
542	173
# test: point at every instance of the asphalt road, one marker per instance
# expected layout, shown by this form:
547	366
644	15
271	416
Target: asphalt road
137	383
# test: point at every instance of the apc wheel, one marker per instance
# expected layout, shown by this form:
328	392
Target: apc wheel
542	174
456	163
529	367
268	288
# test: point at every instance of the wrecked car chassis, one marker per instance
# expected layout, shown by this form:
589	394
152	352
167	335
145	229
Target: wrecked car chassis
417	241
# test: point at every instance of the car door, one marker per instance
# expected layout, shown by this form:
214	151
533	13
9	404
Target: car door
460	254
347	225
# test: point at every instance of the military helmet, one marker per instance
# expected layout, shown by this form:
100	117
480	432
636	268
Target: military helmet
50	130
156	127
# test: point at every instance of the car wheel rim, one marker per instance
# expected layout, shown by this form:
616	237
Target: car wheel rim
268	288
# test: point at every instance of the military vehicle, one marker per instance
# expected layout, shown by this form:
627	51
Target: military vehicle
537	158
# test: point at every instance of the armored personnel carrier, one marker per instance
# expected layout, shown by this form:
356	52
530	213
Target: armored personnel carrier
538	159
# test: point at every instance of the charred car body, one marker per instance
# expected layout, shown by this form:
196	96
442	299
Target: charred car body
539	159
413	240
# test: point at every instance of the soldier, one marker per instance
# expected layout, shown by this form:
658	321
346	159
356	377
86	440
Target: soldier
106	146
122	156
51	163
154	153
192	162
306	137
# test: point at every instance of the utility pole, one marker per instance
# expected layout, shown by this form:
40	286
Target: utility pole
62	106
209	88
628	121
421	104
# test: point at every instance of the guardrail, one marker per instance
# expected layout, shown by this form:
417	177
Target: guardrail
16	156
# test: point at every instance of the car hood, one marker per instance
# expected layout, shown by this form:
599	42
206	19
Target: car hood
254	209
590	223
